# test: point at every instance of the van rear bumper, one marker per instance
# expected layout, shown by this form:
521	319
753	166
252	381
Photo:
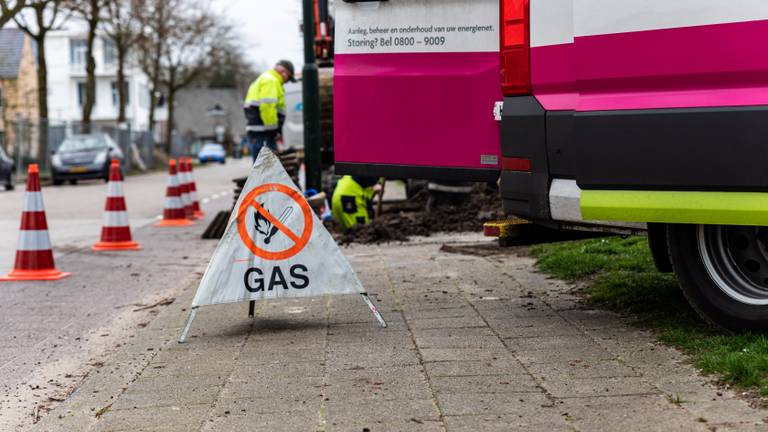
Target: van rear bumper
683	149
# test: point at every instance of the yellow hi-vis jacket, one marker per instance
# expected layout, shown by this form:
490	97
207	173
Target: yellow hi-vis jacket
351	203
265	103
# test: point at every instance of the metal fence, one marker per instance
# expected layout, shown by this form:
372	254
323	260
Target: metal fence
21	141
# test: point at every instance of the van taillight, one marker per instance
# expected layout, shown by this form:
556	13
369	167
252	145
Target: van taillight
515	47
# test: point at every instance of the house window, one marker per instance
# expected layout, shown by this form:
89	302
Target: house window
144	96
110	52
78	51
81	94
116	95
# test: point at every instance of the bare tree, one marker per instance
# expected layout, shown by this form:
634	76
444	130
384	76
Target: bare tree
121	27
155	19
229	67
9	9
190	47
91	12
46	15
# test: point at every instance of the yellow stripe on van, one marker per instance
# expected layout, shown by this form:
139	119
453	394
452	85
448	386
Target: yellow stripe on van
710	208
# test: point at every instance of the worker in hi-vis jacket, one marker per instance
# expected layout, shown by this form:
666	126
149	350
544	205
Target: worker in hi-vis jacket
265	107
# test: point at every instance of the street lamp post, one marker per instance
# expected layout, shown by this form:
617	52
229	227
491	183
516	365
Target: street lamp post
311	93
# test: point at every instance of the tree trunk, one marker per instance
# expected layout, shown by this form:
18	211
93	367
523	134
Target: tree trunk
155	85
121	90
169	130
152	107
42	104
90	81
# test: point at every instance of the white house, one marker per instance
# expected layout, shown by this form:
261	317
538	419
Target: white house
66	56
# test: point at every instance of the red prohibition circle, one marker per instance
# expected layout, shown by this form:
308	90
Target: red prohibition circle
299	241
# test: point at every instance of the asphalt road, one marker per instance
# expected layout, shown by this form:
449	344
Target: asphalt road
54	334
75	212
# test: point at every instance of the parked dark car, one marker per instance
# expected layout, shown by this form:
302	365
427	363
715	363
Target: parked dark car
82	157
7	171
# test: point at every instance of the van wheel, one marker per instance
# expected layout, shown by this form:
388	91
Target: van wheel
723	272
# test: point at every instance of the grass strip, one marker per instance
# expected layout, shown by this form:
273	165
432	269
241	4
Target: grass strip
619	275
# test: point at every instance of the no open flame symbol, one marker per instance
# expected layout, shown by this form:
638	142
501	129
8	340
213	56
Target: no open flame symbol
269	226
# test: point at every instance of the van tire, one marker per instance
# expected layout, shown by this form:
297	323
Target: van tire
723	272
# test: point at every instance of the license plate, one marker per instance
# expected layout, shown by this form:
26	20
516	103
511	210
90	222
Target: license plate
78	170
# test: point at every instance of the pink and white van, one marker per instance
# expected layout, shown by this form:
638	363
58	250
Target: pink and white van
595	114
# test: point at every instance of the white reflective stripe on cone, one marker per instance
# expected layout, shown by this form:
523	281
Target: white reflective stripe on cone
185	199
115	219
173	180
173	203
34	240
33	202
193	194
115	189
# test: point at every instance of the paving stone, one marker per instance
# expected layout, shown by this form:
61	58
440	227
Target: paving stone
454	332
267	404
485	384
507	423
275	370
378	424
408	382
571	369
588	354
491	342
738	427
444	323
464	354
523	404
552	343
402	411
560	387
455	312
272	422
181	395
628	413
366	357
475	368
282	388
174	417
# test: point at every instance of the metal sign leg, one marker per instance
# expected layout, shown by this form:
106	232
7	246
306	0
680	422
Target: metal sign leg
185	330
251	309
374	309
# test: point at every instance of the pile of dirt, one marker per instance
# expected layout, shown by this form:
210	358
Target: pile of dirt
422	216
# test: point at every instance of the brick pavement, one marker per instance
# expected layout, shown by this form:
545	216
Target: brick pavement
474	344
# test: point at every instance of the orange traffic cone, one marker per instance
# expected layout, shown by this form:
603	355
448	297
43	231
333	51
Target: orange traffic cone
184	188
193	191
34	256
116	232
173	214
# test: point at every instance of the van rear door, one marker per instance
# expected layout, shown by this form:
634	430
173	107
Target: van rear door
415	86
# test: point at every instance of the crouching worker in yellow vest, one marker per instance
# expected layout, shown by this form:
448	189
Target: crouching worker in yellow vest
352	201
